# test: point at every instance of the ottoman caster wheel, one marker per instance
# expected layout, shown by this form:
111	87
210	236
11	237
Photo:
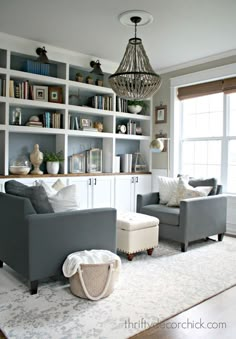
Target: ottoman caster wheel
130	256
149	251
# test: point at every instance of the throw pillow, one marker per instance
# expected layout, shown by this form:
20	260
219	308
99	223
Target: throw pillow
63	200
185	191
58	185
166	187
37	195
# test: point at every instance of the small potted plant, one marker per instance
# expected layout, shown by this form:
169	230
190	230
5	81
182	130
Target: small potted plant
89	80
53	160
79	77
136	106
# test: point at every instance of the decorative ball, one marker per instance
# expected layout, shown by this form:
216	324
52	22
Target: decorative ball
157	145
34	118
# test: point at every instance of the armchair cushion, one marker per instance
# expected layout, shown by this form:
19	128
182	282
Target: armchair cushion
36	194
166	215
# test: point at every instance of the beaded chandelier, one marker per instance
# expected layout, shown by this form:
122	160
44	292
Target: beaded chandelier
135	78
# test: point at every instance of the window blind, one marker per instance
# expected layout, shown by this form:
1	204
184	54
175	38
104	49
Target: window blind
213	87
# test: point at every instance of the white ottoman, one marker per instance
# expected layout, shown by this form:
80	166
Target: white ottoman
136	232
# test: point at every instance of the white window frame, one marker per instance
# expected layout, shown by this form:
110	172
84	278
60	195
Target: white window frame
175	109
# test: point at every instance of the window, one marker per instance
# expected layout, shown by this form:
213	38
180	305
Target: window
208	138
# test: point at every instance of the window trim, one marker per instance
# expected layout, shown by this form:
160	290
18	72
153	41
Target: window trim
212	74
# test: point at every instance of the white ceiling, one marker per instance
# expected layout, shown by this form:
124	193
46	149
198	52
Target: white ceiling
182	30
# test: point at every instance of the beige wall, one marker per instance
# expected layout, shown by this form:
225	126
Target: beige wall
159	161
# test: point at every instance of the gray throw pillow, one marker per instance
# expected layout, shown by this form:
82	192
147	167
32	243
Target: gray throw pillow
36	194
205	182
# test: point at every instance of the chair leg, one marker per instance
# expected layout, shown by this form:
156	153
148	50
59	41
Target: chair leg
184	247
33	287
220	236
1	263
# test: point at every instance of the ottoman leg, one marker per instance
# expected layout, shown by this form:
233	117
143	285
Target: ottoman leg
130	256
149	251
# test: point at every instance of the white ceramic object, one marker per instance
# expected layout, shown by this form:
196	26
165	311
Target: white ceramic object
134	109
53	167
36	158
23	170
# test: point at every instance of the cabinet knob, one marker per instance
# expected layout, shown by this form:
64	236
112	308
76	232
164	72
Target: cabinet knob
95	181
132	180
136	179
90	181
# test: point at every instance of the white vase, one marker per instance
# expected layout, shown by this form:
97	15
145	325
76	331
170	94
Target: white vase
134	109
53	167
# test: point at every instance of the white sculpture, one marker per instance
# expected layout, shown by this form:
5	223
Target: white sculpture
36	158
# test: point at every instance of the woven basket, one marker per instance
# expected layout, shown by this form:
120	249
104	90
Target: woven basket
94	281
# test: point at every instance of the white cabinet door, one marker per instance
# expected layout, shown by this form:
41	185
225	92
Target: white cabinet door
102	191
124	192
94	192
126	189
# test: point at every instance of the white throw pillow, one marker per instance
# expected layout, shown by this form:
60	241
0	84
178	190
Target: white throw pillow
166	187
63	200
185	191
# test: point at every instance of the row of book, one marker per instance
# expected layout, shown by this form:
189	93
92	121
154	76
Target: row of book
2	87
121	105
19	89
36	67
102	102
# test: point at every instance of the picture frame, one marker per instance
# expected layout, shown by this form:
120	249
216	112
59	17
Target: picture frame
161	114
85	123
40	93
165	142
55	94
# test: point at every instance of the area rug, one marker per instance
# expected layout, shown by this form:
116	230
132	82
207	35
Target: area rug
150	290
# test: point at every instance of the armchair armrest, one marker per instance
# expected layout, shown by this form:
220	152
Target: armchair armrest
147	199
202	217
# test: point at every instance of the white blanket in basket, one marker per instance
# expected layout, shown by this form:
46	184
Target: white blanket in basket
72	262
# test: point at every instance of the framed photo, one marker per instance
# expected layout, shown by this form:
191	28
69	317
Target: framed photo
40	93
85	123
163	135
161	114
55	94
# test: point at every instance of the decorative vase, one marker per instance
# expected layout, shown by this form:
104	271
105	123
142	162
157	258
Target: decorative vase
36	158
53	167
134	109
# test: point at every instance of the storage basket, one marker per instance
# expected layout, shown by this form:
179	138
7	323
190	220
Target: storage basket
93	273
94	281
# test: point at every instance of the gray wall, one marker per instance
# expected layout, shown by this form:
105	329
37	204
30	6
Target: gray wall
159	161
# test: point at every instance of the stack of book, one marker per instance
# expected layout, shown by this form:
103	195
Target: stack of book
34	124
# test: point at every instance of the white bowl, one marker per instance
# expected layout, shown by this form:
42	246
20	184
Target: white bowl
19	170
134	109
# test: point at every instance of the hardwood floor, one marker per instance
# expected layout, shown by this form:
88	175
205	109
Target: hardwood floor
218	311
214	318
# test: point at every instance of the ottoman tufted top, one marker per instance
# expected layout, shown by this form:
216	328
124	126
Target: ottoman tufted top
131	221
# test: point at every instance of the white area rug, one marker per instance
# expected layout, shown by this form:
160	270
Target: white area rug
150	290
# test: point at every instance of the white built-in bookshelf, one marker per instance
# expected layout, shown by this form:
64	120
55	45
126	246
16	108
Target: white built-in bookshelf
75	106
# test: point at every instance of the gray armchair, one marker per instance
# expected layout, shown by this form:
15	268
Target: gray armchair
196	218
36	245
